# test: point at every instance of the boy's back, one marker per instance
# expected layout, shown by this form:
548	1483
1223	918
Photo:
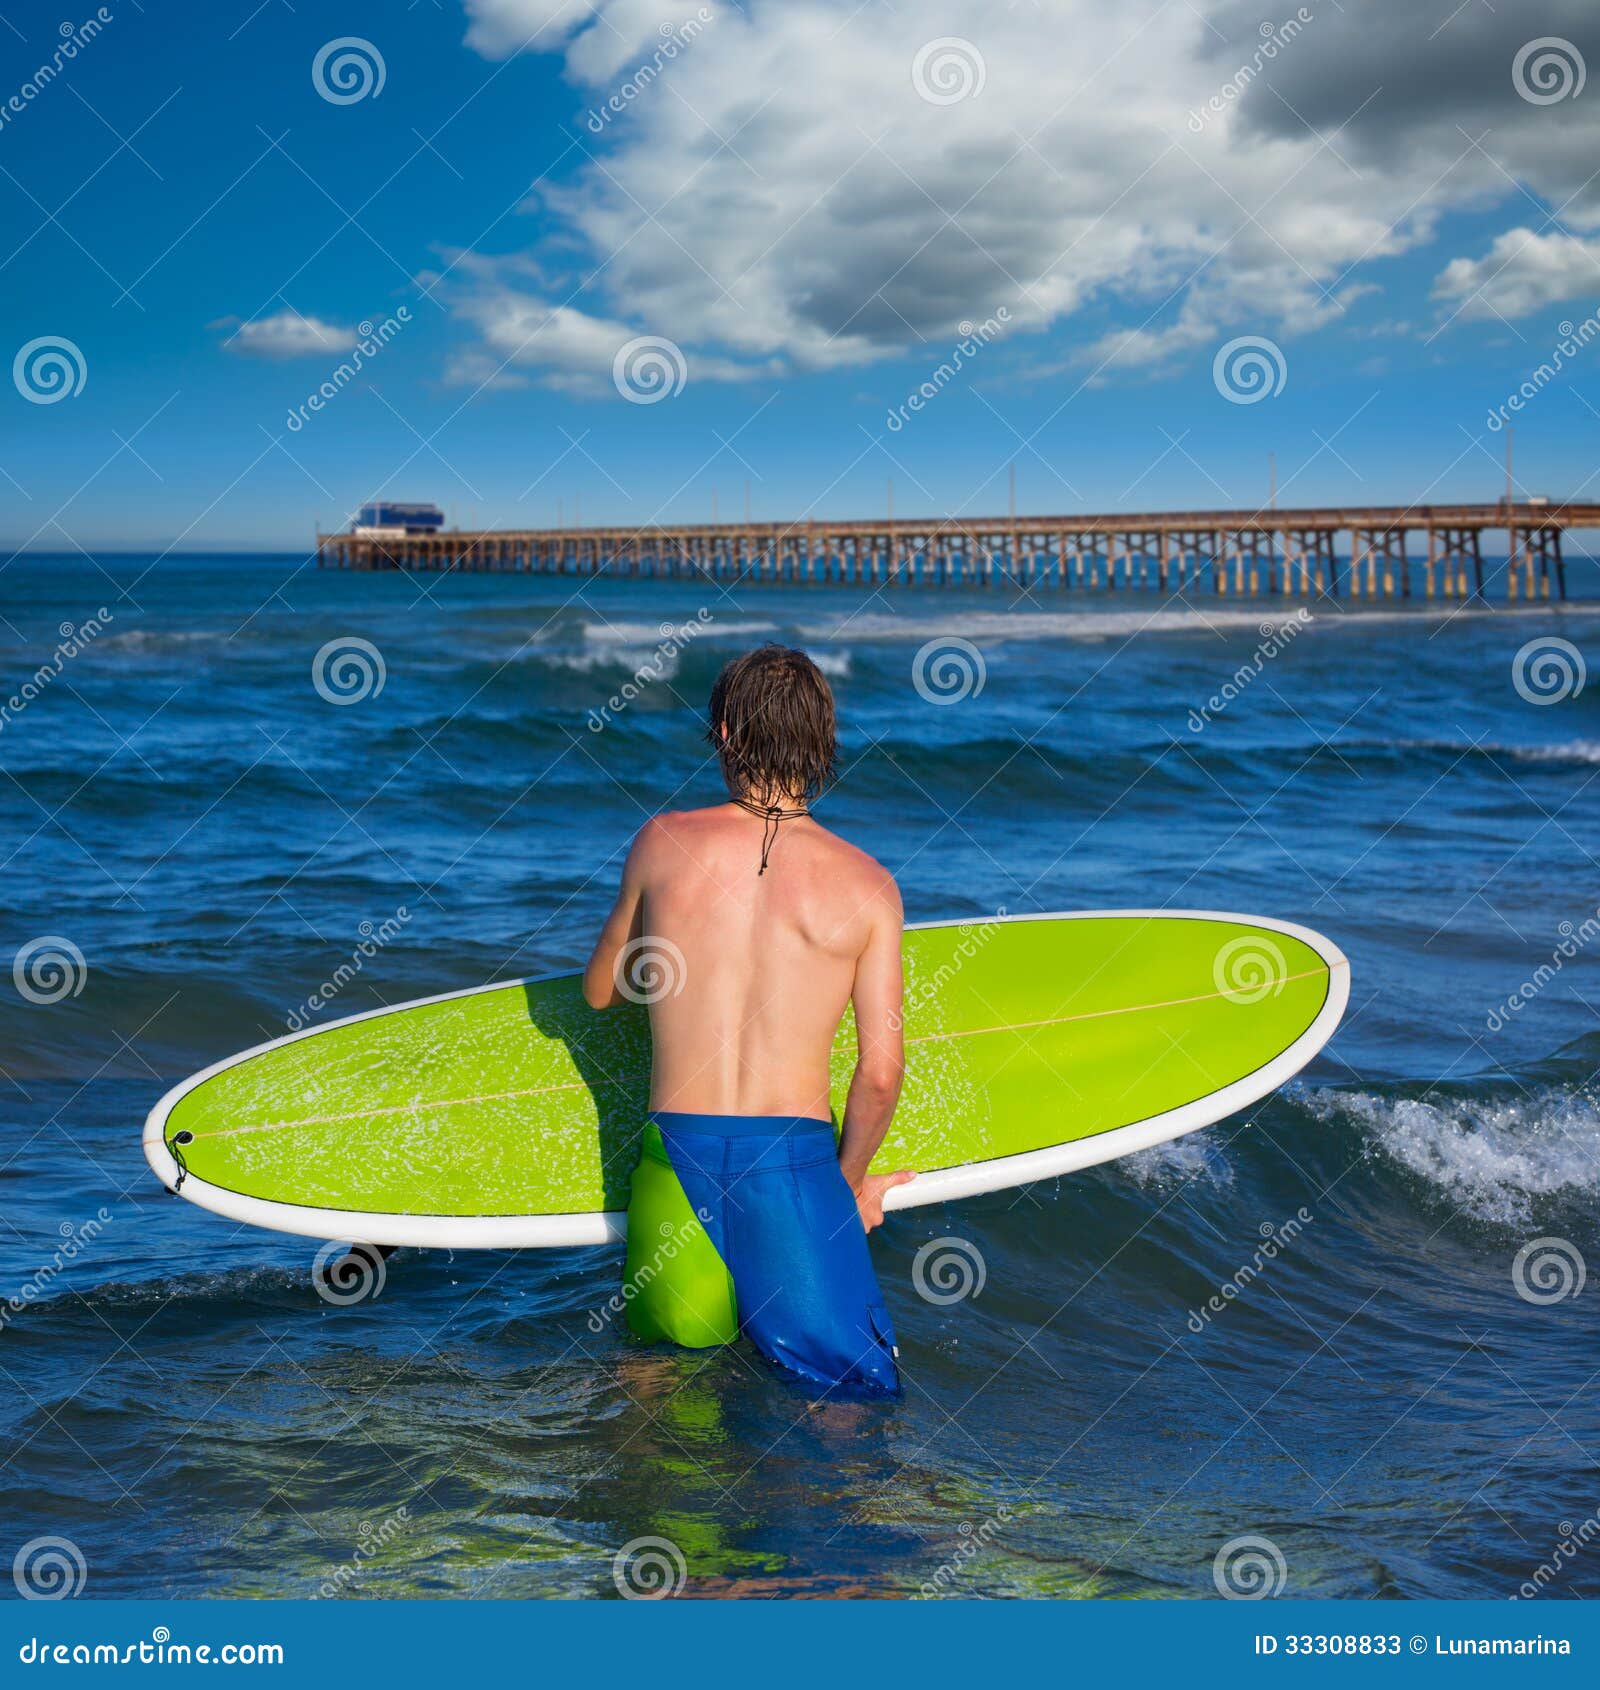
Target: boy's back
755	970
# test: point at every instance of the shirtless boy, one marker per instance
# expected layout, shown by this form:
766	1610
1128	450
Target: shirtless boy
767	927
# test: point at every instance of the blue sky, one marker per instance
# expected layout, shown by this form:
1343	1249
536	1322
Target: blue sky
807	201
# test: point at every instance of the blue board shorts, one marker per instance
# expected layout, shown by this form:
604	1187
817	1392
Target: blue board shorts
745	1223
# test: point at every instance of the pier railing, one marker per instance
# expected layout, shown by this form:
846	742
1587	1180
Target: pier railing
1388	551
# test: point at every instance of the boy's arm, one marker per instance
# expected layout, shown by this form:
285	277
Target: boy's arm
880	1057
625	922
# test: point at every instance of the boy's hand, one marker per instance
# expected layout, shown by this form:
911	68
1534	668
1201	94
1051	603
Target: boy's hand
871	1191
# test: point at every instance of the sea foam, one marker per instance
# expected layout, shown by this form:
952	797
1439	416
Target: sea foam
1493	1157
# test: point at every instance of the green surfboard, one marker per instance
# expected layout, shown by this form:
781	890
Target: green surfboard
509	1115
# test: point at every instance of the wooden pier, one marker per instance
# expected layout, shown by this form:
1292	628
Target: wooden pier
1387	551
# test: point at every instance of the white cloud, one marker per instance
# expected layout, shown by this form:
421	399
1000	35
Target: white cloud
625	33
564	348
500	28
780	193
1522	272
1292	311
287	334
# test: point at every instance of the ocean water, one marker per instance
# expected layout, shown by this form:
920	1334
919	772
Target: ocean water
1169	1380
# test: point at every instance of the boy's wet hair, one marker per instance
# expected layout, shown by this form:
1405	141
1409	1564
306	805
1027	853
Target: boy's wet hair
778	710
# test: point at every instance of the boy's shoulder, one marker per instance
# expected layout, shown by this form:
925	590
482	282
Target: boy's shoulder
665	823
669	830
869	879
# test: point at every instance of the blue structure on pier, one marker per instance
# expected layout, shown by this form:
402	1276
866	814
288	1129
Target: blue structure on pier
388	520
